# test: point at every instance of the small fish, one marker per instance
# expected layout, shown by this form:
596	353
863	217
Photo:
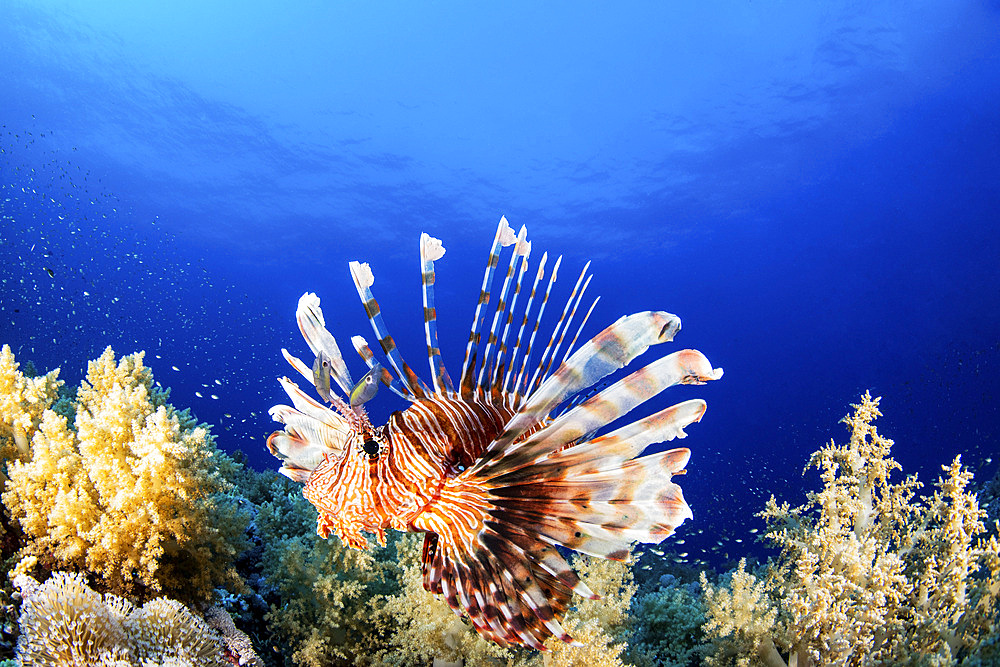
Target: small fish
367	387
504	465
321	375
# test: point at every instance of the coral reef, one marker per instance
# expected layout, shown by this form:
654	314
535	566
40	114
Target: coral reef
323	592
114	482
868	572
130	489
64	622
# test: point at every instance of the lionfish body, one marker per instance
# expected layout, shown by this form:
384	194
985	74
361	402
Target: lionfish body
500	470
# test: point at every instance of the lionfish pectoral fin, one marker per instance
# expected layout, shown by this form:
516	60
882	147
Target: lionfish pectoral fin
512	587
309	316
547	482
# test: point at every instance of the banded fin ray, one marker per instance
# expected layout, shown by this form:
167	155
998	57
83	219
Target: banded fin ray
572	343
486	377
432	250
607	452
559	332
363	281
510	381
504	237
602	355
523	249
522	374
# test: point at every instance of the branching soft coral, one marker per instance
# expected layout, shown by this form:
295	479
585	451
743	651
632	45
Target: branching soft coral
327	592
131	489
868	573
23	400
667	625
741	617
601	626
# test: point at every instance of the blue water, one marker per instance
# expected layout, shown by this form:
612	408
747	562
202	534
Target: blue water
814	189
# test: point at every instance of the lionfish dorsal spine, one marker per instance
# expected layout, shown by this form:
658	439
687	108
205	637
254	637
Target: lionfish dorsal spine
509	381
569	321
519	388
523	250
432	250
363	281
549	353
504	237
572	343
484	379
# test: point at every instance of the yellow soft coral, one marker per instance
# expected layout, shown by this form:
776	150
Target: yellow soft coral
868	573
742	616
599	625
23	400
130	490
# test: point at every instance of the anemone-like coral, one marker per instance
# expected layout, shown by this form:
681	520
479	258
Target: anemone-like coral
64	622
868	572
130	489
238	644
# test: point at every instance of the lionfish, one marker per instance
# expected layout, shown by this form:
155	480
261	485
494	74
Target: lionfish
501	470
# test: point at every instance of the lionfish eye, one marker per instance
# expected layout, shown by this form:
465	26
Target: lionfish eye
371	448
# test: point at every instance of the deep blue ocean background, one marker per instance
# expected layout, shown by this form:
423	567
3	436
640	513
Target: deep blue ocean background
813	187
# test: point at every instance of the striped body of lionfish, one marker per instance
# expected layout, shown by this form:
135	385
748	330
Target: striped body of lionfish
504	468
